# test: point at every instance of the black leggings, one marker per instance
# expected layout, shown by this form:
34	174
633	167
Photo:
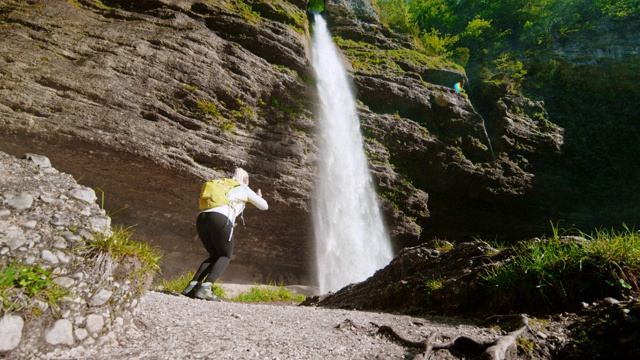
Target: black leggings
214	230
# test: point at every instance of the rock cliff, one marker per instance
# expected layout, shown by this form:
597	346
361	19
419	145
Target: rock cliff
143	100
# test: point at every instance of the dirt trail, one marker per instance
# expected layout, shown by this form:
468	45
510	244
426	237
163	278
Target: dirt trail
176	327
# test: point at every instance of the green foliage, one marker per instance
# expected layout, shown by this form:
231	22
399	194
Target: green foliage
397	15
477	28
559	272
490	29
316	5
191	87
619	9
507	72
461	56
437	44
22	286
263	294
436	14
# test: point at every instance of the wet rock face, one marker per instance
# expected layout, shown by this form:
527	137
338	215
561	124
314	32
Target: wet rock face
142	101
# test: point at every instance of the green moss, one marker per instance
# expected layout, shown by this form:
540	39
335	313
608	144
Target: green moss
287	110
208	109
525	345
228	126
246	11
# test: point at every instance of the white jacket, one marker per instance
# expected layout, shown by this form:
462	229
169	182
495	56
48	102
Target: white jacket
238	198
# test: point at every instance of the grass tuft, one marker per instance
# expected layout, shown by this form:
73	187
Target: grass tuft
118	244
268	294
23	286
178	283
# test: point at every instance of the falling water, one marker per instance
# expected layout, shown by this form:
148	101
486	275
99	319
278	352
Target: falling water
351	239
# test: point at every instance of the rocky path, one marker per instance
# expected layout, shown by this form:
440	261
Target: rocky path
176	327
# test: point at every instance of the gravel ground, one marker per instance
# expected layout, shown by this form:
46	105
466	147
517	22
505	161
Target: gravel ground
176	327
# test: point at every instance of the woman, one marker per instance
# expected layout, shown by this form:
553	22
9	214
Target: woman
215	229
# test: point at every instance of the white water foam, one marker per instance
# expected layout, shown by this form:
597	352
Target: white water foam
352	242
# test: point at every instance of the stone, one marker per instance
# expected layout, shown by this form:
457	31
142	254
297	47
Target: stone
62	256
40	160
100	223
84	194
14	237
61	333
100	298
64	281
49	257
59	220
4	212
31	224
47	199
95	323
84	233
81	334
71	237
20	202
59	242
10	332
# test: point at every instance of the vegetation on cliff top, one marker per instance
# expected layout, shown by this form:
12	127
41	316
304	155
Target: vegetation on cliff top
569	267
575	55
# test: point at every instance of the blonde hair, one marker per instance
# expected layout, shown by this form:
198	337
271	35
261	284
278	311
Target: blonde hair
241	176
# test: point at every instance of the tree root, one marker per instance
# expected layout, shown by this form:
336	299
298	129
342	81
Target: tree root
502	348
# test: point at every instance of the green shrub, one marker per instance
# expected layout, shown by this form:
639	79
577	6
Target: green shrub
436	43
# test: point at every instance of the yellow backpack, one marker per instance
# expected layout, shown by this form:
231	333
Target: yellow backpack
214	193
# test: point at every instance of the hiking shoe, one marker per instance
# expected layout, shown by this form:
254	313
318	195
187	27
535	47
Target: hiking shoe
190	290
206	294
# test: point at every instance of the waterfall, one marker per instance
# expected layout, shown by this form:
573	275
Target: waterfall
351	239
